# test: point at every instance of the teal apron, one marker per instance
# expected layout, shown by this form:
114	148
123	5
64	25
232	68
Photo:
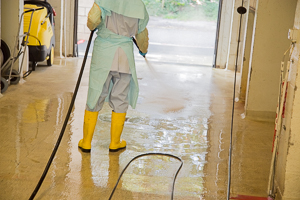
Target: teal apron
107	43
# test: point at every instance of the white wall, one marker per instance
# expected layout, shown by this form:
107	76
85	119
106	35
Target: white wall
288	162
68	28
64	26
84	7
234	35
224	34
245	55
10	18
58	5
272	21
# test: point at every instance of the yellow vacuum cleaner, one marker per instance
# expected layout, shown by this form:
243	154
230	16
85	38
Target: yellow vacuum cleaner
8	58
41	38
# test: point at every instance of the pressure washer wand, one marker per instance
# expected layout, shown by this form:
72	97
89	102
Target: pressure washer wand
137	46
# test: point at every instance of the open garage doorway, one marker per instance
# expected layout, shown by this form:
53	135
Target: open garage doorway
180	31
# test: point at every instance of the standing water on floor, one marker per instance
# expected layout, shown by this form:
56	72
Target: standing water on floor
172	116
168	119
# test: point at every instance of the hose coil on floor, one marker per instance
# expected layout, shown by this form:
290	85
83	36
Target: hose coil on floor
150	154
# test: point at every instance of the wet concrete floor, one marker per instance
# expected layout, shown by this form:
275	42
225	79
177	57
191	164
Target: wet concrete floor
182	110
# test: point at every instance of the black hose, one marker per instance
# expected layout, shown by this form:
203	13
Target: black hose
65	122
241	10
148	154
33	9
27	73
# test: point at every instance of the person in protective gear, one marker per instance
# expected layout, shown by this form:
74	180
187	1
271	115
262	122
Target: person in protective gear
112	73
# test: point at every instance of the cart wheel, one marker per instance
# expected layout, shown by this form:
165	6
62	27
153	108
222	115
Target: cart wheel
51	57
4	85
16	77
33	65
5	53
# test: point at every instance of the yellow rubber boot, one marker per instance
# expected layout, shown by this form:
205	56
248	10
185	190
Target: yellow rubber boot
90	120
117	124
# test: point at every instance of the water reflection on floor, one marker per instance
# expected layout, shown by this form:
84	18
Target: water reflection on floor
181	110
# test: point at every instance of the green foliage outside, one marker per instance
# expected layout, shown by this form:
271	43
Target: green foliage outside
187	10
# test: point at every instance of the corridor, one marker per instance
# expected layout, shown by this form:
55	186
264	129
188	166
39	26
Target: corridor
181	110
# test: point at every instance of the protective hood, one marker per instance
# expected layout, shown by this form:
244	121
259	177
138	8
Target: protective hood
128	8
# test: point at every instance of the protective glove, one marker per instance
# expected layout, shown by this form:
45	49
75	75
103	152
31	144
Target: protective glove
143	54
142	40
94	17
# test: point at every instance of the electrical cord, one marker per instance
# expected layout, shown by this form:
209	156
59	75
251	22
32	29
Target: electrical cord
26	74
65	122
149	154
241	10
